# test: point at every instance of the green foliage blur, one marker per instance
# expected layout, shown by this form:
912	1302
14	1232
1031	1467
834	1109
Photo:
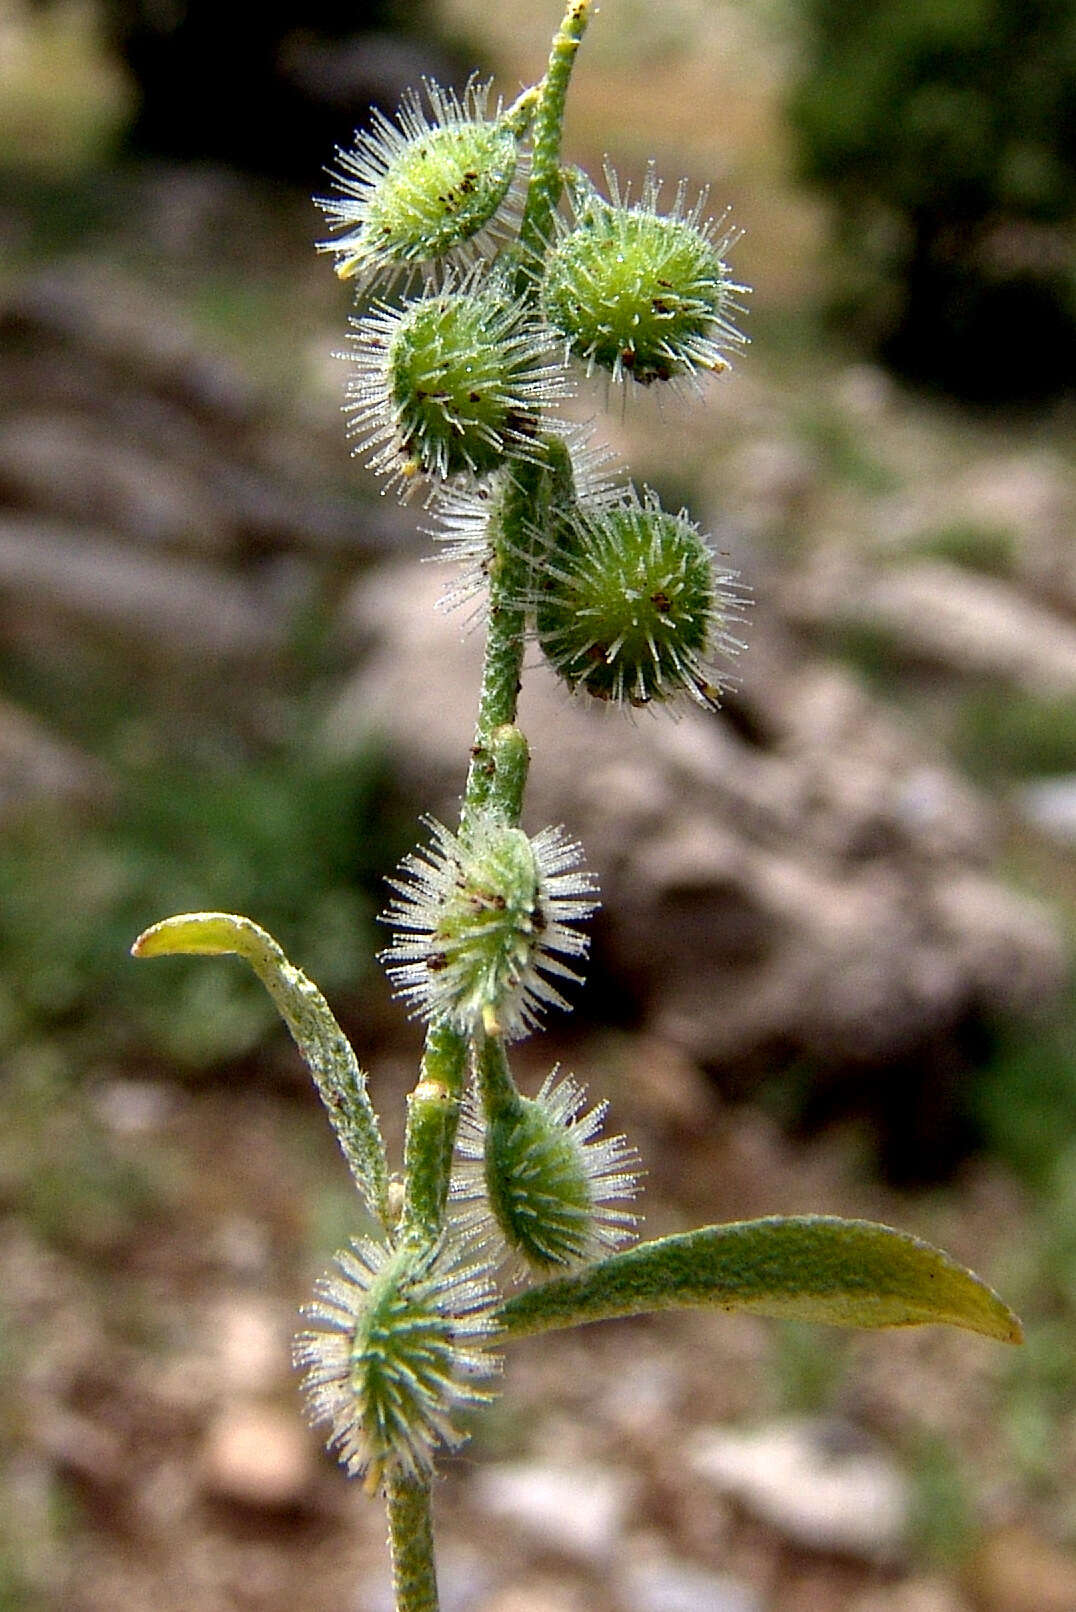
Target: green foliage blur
944	132
287	838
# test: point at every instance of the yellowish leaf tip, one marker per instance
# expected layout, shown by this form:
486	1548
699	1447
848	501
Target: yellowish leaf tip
199	933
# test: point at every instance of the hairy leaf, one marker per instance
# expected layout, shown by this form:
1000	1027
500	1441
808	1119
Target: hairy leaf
809	1268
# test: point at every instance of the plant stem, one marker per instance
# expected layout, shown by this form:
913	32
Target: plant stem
433	1111
499	1093
495	783
543	192
411	1543
497	772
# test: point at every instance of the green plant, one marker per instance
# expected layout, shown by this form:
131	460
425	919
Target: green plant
452	392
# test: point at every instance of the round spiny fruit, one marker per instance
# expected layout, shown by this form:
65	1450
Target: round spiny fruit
539	1181
633	608
399	1338
481	922
641	293
452	382
412	191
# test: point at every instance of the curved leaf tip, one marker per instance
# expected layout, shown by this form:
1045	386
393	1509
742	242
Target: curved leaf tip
203	934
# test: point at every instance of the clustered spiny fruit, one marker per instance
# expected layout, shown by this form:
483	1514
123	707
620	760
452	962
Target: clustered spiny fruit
410	193
453	383
400	1340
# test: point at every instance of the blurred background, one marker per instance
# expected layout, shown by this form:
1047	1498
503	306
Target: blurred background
833	971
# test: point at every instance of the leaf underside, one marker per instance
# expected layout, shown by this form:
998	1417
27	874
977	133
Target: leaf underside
808	1268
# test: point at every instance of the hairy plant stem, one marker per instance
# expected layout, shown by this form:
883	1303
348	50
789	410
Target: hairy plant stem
543	192
498	769
495	782
414	1578
433	1111
499	1094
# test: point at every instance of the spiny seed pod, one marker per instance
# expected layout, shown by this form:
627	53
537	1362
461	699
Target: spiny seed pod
413	191
539	1182
401	1341
452	382
633	608
481	922
640	293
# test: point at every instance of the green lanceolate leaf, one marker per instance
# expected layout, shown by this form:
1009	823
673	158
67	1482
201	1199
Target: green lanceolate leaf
325	1048
809	1268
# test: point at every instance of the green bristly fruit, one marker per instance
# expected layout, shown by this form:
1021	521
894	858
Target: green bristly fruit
482	925
639	293
538	1180
414	191
633	608
453	383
